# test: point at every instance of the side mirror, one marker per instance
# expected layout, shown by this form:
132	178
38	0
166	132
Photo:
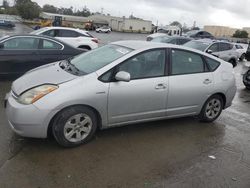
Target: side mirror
1	45
122	76
209	51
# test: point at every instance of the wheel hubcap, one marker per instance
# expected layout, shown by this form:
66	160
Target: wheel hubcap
213	108
77	127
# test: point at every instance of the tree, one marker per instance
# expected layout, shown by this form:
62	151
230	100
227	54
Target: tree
50	8
65	11
176	23
27	9
85	12
240	34
6	4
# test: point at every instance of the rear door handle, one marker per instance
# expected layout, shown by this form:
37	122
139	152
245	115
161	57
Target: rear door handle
207	81
161	86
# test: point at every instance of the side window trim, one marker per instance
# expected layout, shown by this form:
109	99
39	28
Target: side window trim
170	62
114	69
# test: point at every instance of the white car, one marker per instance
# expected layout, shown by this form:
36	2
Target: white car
155	35
104	29
75	37
241	50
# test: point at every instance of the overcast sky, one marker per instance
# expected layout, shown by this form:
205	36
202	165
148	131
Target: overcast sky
234	13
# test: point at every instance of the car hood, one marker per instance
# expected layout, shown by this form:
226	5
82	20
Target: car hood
47	74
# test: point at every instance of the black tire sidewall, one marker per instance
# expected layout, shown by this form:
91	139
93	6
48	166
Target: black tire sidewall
203	116
63	117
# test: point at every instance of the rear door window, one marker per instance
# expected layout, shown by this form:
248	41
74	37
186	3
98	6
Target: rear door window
47	44
185	62
68	33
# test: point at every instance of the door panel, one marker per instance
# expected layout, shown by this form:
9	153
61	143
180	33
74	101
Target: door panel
187	93
189	84
137	99
18	61
145	96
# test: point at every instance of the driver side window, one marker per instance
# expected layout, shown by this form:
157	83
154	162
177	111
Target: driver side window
214	48
145	65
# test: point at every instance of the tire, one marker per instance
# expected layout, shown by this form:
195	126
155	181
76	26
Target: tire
212	109
74	126
242	57
233	62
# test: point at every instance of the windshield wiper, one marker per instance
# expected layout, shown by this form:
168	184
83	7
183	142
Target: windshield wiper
69	67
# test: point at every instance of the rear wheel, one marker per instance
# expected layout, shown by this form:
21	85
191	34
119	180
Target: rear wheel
233	62
242	57
74	126
212	109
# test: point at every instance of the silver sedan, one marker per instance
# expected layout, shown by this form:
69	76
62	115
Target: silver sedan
121	83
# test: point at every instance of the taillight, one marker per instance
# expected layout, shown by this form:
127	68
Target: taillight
95	40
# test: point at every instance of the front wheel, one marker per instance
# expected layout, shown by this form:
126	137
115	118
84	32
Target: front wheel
74	126
212	109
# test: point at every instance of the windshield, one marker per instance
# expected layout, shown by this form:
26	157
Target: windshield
161	39
95	59
198	45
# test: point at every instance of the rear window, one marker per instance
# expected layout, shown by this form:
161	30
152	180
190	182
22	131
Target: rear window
213	64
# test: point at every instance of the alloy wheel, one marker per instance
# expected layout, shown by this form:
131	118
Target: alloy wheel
213	108
78	127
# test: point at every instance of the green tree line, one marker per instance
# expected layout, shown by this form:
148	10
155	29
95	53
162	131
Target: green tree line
28	9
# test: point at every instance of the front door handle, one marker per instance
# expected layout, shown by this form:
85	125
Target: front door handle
161	86
207	81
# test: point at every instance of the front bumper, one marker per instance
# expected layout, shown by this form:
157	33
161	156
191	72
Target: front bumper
26	120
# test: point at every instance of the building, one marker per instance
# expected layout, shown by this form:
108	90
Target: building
124	24
220	31
121	24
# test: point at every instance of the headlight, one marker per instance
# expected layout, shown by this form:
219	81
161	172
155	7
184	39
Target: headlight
34	94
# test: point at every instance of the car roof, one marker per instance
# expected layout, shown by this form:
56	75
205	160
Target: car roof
175	37
67	28
211	41
141	45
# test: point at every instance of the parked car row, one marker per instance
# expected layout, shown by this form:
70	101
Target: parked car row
225	50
